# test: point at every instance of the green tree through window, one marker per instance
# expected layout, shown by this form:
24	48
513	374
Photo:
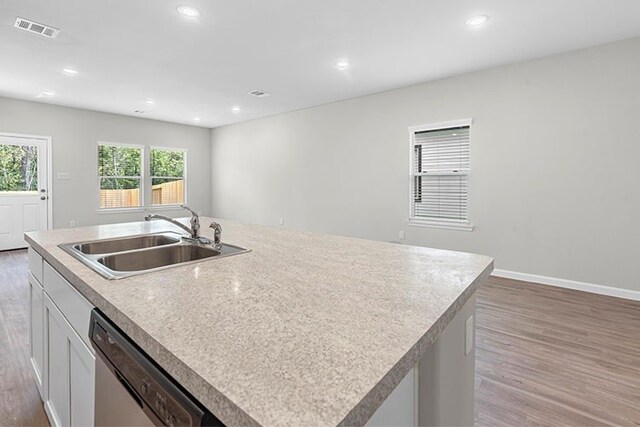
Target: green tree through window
18	168
167	176
119	168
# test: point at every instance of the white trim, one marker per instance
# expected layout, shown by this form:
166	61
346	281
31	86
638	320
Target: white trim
120	144
441	125
165	207
159	147
48	143
106	211
448	225
570	284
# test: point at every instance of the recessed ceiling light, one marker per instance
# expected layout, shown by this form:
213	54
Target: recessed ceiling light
478	20
149	102
343	65
188	11
46	93
196	119
235	109
70	71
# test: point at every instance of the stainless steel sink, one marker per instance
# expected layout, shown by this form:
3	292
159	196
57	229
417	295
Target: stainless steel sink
128	256
159	257
127	243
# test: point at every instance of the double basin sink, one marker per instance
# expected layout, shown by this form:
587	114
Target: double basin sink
127	256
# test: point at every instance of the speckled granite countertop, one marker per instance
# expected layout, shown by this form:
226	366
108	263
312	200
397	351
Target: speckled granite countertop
306	329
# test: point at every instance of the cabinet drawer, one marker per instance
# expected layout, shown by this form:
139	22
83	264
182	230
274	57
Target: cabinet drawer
35	264
74	307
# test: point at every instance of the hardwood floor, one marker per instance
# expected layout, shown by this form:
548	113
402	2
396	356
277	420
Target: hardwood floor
20	403
551	356
545	356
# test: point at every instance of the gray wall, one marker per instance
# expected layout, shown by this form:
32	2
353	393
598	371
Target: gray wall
555	151
75	134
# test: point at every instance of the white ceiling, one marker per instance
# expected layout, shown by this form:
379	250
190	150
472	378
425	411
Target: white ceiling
127	51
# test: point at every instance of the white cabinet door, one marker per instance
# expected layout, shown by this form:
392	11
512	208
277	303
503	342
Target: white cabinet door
57	403
37	332
71	372
82	365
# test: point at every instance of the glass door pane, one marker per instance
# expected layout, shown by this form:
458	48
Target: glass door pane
18	168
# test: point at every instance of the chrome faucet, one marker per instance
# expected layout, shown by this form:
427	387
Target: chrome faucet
194	231
195	222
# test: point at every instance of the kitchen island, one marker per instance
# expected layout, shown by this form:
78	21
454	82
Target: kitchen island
306	329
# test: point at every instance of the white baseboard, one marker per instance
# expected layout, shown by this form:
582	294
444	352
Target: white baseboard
569	284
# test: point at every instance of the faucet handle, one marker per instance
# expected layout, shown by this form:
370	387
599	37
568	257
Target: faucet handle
217	234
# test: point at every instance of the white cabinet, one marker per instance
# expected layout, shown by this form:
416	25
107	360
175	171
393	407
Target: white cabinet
400	408
71	372
74	307
36	325
439	390
82	375
57	401
61	354
35	265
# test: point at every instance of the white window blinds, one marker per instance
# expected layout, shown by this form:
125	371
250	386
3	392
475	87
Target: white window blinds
440	175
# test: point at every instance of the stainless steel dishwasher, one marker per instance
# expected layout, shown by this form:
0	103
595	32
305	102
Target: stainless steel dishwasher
132	390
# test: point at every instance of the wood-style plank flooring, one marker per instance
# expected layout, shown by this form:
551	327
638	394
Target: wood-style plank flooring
545	356
20	403
551	356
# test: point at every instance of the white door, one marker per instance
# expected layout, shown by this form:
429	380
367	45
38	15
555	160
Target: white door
24	201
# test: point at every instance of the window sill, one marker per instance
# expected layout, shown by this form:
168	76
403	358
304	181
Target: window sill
119	210
165	207
447	225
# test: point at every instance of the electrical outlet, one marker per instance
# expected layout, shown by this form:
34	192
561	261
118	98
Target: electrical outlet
72	223
281	221
468	336
62	176
401	234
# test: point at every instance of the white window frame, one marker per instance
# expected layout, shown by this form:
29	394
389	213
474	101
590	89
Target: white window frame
140	208
450	224
184	178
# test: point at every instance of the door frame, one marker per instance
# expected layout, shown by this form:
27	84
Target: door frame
47	140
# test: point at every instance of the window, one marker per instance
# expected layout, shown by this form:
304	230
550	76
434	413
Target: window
167	176
440	175
19	166
120	175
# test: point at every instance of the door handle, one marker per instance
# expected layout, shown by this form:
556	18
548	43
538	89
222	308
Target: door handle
43	190
43	197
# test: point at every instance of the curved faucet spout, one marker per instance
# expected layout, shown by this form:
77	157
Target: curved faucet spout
194	231
171	220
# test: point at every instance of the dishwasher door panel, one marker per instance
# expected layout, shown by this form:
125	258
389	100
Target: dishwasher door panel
116	406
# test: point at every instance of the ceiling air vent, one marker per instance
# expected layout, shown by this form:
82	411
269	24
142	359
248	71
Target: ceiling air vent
259	93
34	27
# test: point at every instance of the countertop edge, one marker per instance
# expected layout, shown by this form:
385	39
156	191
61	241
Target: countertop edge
365	409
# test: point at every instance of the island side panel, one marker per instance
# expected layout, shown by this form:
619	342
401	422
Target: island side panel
440	389
447	372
